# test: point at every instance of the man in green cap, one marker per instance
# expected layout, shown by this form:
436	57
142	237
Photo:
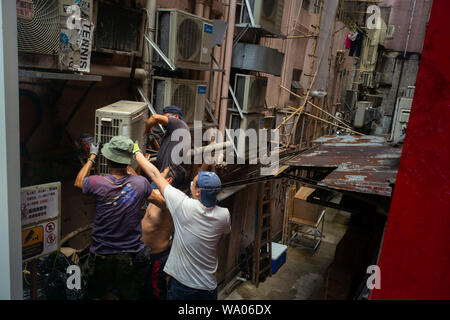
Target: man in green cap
117	255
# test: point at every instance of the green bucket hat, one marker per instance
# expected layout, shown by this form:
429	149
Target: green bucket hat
119	149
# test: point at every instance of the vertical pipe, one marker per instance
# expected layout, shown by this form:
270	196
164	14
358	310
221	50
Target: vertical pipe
227	66
148	51
409	28
221	57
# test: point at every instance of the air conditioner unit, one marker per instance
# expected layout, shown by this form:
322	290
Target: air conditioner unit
184	38
43	28
250	92
367	80
119	28
38	26
241	142
390	32
123	118
266	13
401	117
362	116
189	95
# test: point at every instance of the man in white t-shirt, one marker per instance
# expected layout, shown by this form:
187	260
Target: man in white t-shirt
199	224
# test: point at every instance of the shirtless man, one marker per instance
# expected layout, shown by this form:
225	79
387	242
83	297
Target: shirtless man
157	231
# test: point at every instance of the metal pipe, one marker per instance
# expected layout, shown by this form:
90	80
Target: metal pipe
150	9
115	71
409	28
221	58
227	66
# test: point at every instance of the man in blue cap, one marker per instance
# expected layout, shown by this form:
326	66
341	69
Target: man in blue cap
199	224
172	119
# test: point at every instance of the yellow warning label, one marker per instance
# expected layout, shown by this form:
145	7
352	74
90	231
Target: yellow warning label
32	242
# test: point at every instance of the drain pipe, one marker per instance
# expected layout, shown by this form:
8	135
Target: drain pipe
150	9
409	28
227	67
219	54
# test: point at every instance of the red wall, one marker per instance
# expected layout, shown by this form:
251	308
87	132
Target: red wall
415	256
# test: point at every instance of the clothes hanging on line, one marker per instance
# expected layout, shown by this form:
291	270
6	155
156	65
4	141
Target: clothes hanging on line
348	42
356	46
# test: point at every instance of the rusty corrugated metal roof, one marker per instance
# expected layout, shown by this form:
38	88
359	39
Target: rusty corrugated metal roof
365	164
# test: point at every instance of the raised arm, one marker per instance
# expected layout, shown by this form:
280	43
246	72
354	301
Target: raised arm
154	120
84	172
152	172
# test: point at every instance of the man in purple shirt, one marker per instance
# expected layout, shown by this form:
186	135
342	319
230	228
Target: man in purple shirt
117	255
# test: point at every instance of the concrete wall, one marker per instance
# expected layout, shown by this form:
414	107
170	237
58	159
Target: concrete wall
401	12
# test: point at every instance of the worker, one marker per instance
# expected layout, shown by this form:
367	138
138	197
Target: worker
199	224
171	119
117	255
157	232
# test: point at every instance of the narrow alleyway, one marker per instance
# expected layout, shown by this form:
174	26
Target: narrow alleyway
303	276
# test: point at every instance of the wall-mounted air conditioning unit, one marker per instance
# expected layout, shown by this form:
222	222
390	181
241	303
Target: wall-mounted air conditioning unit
119	28
241	141
184	38
123	118
266	13
250	92
367	80
390	32
189	95
38	26
401	117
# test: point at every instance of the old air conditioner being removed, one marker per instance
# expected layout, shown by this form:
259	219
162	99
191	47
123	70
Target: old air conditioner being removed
189	95
250	92
123	118
184	38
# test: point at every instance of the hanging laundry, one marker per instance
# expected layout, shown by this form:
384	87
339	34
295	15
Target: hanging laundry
356	46
348	42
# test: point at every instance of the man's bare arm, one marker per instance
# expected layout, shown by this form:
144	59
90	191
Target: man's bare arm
157	199
154	120
152	172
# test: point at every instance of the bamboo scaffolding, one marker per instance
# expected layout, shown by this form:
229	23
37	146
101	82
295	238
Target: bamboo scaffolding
315	106
333	124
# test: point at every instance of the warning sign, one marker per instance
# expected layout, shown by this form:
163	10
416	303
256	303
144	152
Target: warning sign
40	211
40	240
32	242
40	203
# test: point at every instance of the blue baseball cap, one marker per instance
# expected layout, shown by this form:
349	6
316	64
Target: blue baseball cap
209	184
174	110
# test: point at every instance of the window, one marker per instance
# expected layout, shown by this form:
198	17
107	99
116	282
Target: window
295	84
305	4
316	8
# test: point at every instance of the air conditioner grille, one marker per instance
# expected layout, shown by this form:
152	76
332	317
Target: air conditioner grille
184	97
189	37
39	33
107	131
255	93
269	8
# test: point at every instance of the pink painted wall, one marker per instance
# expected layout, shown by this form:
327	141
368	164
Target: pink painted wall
400	16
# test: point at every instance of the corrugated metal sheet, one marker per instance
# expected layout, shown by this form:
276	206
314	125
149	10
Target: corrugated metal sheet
366	164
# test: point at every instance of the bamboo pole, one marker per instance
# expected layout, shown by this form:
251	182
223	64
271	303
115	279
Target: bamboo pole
320	119
315	106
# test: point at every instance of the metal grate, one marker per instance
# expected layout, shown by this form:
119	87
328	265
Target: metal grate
188	40
105	130
38	26
184	97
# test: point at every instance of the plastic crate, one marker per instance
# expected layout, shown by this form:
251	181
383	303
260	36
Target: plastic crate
278	256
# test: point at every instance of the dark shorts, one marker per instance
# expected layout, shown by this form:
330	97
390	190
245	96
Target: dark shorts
178	291
155	278
121	275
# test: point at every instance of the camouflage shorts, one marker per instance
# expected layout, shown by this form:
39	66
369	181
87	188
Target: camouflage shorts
116	274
